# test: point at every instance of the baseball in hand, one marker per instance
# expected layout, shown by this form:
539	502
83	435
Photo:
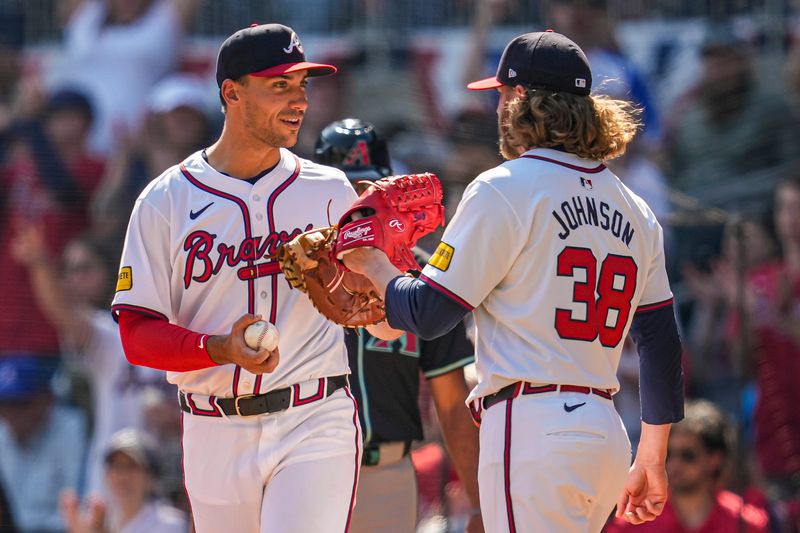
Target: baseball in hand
261	335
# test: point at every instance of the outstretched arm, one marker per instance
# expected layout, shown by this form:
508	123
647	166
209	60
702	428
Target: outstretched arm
374	264
411	304
73	324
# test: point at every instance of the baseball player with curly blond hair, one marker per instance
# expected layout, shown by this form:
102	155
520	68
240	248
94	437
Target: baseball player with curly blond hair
558	261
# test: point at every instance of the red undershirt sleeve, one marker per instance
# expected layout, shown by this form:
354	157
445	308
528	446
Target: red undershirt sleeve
155	343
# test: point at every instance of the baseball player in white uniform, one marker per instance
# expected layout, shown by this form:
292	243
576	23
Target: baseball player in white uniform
558	261
263	440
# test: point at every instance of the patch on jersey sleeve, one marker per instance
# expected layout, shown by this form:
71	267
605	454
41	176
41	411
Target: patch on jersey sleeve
442	256
125	279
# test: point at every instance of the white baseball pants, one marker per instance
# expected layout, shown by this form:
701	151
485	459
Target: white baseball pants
294	471
548	466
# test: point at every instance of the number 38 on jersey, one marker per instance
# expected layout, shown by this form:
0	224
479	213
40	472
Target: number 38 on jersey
601	295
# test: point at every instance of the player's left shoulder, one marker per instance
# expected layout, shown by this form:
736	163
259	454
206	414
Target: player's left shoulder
327	181
311	170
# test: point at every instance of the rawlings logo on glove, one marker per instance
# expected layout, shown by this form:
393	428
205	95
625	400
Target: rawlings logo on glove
357	234
392	215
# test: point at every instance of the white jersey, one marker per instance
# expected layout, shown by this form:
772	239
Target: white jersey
554	255
197	254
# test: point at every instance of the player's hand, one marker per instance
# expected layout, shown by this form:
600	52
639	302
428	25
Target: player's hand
374	264
363	260
90	519
231	348
645	493
384	331
28	246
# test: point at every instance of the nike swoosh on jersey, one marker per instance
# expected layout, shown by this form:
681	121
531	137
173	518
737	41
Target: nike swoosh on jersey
194	214
570	408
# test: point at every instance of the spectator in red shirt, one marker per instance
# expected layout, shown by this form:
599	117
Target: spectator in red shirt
698	449
46	177
774	305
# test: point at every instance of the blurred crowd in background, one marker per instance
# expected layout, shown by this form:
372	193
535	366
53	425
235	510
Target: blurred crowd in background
98	97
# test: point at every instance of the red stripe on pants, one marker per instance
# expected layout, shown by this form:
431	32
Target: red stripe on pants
507	469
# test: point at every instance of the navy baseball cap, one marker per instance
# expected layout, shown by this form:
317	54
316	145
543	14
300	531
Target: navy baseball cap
541	60
265	50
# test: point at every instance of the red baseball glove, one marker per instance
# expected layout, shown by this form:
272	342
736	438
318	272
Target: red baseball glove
394	213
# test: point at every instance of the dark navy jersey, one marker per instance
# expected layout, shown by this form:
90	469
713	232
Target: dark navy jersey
385	378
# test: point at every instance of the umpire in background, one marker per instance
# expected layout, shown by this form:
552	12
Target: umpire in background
385	377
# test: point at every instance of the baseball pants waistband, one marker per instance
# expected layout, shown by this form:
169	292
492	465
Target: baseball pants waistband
258	404
525	388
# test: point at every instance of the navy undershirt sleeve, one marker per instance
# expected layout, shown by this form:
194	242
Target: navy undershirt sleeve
660	374
413	305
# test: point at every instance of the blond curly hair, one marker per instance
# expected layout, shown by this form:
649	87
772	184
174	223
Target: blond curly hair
592	127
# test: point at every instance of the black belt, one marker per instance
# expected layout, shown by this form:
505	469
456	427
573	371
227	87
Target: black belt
372	452
259	404
510	391
503	394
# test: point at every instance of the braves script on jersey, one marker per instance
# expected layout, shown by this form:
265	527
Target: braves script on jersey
194	225
575	253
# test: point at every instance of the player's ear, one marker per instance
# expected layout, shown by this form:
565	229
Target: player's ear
230	92
519	90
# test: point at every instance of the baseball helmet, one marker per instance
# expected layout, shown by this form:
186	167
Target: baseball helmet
354	146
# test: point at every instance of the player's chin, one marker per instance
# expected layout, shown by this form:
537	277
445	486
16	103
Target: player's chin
290	139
